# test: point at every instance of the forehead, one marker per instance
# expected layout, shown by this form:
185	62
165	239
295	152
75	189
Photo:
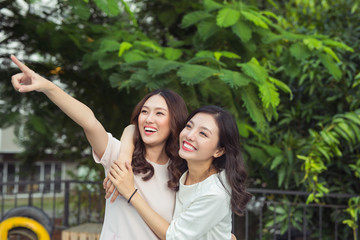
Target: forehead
156	101
205	120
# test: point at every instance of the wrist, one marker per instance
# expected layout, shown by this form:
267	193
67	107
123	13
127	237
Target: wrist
132	195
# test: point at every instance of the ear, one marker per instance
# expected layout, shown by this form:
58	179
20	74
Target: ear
219	152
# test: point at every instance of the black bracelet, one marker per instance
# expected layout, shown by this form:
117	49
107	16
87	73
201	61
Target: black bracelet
132	195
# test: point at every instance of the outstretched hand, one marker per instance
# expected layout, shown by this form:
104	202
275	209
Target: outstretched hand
27	80
122	176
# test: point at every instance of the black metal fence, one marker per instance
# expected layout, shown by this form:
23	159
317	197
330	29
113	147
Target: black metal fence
272	214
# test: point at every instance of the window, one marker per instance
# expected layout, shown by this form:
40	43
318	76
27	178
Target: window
50	173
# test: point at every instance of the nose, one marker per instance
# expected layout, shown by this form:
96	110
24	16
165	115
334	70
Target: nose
150	118
190	135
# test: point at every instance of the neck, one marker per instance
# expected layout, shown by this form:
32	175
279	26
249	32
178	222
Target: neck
199	172
156	154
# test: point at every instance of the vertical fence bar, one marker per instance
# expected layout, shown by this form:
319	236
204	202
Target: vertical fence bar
260	220
2	205
99	210
66	203
304	222
289	221
54	204
89	201
274	225
336	224
42	200
79	206
16	200
320	222
30	193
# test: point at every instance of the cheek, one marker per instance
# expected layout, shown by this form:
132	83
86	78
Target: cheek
141	119
165	123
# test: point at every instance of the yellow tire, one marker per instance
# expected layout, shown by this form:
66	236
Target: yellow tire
23	222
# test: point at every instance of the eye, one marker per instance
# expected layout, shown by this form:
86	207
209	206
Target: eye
188	126
160	113
203	134
143	111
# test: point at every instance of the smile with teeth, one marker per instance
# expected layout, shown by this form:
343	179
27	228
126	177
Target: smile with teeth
188	147
150	130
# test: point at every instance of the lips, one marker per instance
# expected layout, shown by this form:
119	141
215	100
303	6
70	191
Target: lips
149	130
188	147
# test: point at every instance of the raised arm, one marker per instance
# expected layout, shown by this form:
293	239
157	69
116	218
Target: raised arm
28	81
125	155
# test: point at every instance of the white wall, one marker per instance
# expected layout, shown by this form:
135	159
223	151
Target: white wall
8	141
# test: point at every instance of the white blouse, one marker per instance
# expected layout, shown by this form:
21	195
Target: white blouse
202	210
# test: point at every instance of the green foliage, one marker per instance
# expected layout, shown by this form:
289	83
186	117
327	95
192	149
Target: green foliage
287	71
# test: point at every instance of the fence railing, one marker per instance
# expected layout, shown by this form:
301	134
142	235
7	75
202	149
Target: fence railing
272	214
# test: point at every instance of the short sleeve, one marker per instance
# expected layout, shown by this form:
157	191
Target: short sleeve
202	215
111	153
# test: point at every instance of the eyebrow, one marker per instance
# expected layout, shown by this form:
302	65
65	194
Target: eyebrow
202	127
157	108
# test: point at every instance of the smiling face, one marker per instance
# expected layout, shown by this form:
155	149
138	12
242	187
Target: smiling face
199	139
154	121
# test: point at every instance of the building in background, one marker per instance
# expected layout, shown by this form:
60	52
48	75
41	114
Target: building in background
11	171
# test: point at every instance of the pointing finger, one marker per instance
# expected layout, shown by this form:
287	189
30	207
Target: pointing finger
21	66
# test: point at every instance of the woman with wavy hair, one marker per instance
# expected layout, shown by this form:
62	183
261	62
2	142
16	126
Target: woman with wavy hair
211	189
158	118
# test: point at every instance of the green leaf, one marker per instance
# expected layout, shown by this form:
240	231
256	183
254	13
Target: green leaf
341	45
194	17
242	30
172	53
110	7
255	19
193	74
234	79
254	70
115	80
160	66
207	28
230	55
281	175
211	5
333	69
37	123
134	56
269	94
277	160
80	9
252	103
107	62
256	154
313	43
331	53
282	86
227	17
131	14
108	45
209	60
149	44
299	51
124	46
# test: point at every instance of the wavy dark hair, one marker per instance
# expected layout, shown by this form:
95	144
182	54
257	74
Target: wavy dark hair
231	161
177	113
